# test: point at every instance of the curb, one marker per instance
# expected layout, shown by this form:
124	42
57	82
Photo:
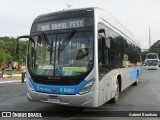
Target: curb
10	76
10	81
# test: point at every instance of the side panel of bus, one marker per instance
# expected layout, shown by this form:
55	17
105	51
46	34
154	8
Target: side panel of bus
126	71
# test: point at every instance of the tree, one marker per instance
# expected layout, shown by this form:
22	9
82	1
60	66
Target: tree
8	50
155	48
143	55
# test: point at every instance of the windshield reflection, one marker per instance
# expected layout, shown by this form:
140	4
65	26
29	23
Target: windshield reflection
74	59
152	62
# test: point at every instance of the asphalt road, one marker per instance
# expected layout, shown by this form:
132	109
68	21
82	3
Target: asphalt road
144	97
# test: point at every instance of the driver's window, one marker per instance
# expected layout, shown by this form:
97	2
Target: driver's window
103	52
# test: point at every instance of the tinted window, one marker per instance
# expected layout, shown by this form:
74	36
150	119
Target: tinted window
122	52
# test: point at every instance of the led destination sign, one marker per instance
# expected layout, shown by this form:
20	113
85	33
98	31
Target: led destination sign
60	24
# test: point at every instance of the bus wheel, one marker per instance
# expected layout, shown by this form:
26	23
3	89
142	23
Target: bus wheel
116	97
136	83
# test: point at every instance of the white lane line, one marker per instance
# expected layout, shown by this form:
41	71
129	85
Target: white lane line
11	81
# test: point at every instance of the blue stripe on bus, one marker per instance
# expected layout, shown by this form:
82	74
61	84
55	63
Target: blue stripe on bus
133	75
140	71
55	89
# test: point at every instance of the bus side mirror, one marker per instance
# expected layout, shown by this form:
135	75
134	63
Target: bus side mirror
102	31
17	42
107	41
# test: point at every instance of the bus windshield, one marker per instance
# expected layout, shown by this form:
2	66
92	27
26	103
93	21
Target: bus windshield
152	56
152	62
67	54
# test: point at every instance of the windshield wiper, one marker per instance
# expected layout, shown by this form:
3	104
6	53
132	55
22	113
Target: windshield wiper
46	41
66	40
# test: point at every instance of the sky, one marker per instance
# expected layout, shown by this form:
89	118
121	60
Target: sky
16	16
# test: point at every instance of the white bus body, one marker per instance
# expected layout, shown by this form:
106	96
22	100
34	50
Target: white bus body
108	58
152	61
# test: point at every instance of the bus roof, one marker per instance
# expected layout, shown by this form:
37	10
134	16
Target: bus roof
152	54
110	19
105	15
57	13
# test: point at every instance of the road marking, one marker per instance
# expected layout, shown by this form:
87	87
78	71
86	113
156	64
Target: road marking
11	81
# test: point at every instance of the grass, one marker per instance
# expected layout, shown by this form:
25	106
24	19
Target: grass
9	72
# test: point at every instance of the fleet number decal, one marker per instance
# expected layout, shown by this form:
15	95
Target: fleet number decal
67	90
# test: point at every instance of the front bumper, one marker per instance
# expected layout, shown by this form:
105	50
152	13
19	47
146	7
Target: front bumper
89	99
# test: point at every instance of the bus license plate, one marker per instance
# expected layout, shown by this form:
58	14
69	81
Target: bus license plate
53	100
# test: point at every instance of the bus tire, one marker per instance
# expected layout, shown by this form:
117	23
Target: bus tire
136	83
116	97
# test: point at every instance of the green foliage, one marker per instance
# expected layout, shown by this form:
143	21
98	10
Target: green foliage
8	50
155	48
10	72
143	54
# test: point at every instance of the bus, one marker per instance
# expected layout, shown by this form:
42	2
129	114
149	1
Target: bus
80	57
152	61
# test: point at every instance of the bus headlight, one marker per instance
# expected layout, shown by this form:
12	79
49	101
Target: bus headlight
29	85
87	87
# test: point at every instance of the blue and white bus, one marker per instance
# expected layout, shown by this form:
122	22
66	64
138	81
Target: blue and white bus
152	61
80	57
